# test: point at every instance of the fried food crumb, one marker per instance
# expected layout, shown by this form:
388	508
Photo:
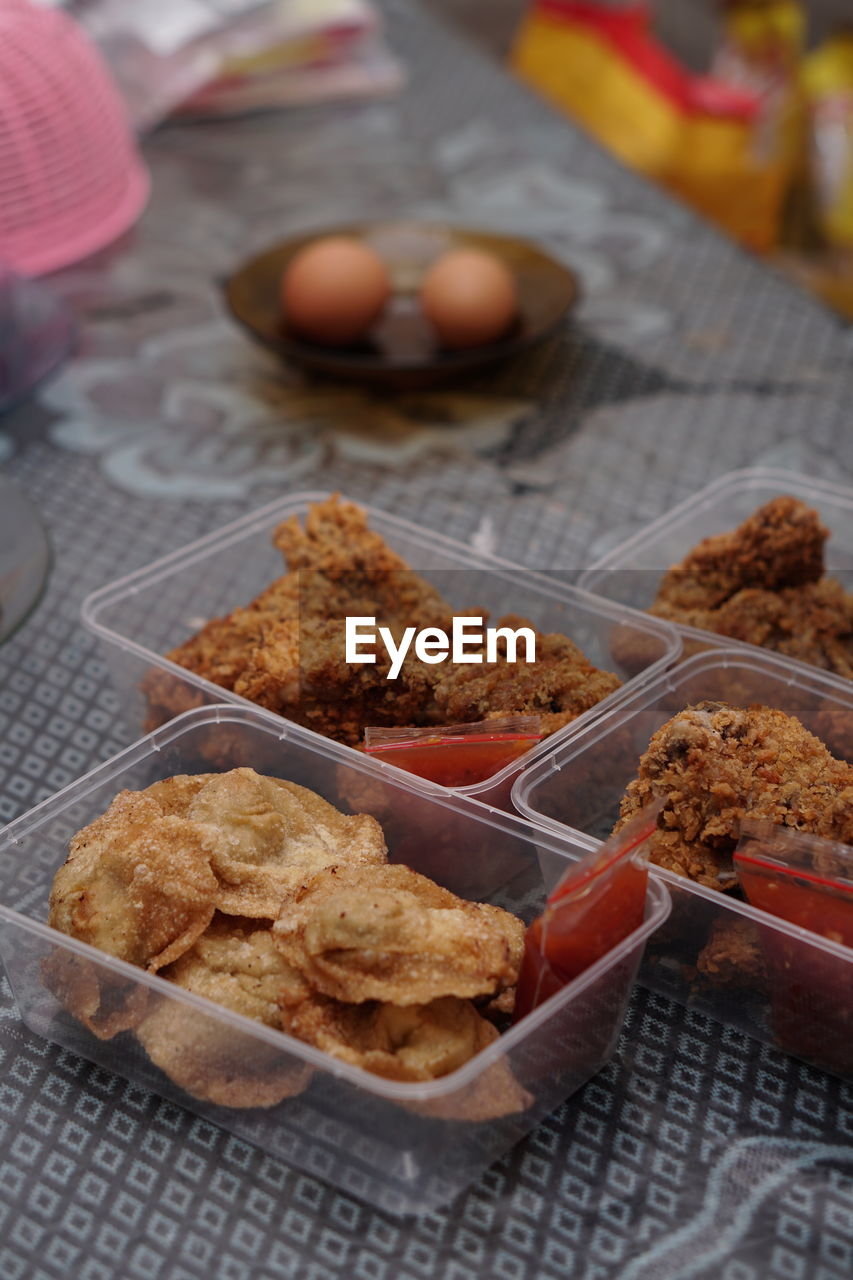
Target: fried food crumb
732	956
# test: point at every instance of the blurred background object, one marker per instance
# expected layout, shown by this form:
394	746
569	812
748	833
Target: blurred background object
71	180
36	334
24	557
742	108
727	140
203	58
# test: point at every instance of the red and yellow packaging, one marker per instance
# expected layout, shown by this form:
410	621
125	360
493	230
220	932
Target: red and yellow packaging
705	137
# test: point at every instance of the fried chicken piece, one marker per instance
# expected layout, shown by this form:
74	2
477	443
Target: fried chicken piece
339	698
779	545
763	583
137	883
287	650
367	933
733	955
265	836
253	651
342	562
345	569
812	623
560	685
714	765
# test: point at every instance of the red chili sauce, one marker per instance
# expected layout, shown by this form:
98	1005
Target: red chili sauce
811	992
802	897
456	762
588	915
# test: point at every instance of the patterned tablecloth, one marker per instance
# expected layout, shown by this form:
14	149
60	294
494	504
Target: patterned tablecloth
696	1152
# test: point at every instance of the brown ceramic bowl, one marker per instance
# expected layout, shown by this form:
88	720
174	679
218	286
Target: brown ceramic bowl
401	350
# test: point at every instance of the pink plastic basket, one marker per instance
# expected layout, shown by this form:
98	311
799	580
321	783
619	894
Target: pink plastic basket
71	179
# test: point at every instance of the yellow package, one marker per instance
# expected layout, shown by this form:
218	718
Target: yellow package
698	135
828	84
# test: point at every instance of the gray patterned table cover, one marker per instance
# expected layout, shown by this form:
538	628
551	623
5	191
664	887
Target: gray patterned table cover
696	1152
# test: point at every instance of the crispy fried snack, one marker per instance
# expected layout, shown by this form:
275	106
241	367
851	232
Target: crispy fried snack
414	1042
143	880
411	1042
368	933
715	765
137	883
214	1062
265	836
103	1002
763	583
235	964
187	877
560	685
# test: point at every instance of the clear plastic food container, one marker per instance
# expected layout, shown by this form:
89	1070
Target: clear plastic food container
149	612
630	573
405	1147
735	979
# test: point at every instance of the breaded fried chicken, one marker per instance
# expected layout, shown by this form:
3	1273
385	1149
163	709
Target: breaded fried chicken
560	685
714	765
763	583
287	650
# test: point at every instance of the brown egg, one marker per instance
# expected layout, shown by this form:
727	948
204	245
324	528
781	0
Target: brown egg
469	296
334	289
